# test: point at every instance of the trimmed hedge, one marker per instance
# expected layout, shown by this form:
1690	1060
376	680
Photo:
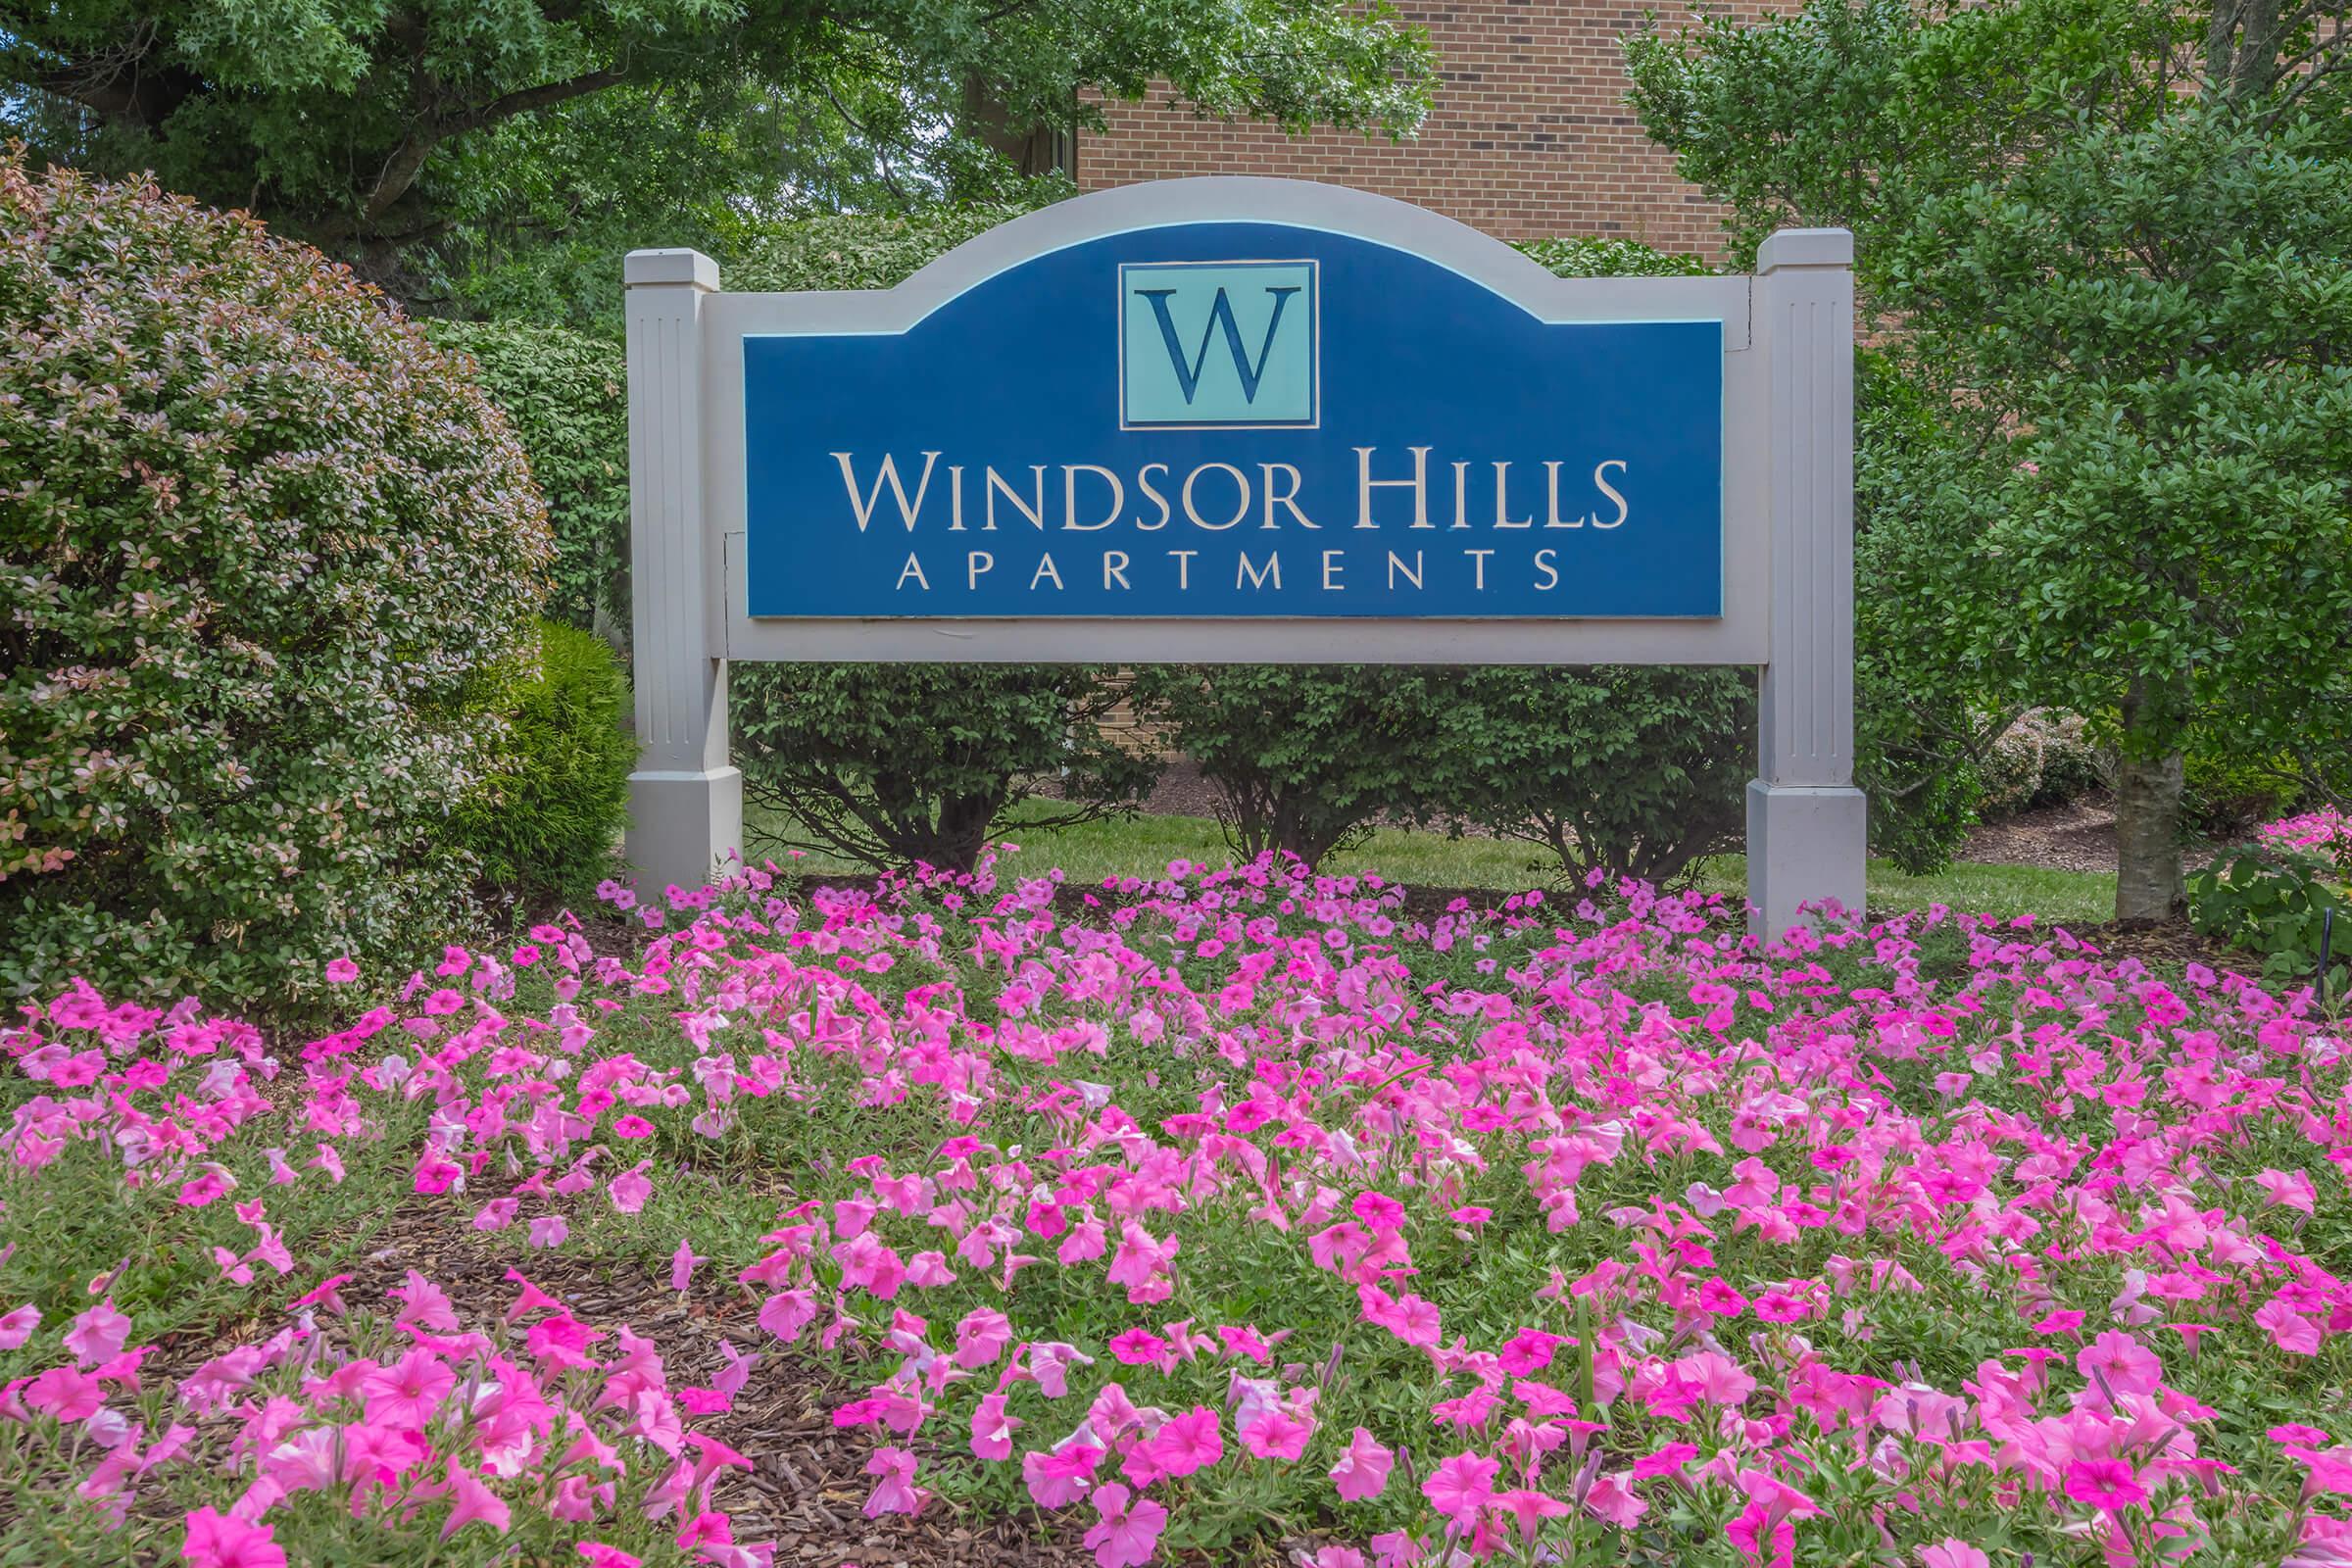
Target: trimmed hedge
566	395
265	547
547	822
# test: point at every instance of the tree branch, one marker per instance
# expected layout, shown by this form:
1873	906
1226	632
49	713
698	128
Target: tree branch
529	100
407	161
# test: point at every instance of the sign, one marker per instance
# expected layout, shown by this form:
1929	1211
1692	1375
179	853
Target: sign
1235	420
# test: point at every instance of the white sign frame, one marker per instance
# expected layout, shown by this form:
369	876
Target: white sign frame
1788	523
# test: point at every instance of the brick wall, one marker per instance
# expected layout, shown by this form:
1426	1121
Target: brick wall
1529	135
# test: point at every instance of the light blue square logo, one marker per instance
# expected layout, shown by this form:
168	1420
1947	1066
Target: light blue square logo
1218	344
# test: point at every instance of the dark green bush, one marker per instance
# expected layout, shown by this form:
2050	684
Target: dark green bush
567	396
1303	758
549	819
262	545
1926	714
2227	792
2273	902
895	764
1605	256
1625	770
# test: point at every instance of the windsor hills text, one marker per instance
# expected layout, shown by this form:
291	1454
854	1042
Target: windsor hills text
1398	520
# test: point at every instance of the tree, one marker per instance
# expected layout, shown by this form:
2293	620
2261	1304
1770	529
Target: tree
2114	239
414	139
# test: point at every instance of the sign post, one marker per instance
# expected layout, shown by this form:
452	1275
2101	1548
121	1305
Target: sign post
1240	419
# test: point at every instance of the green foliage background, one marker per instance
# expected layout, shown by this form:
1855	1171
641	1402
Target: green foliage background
2109	243
566	394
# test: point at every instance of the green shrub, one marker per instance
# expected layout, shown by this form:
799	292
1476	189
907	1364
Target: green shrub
2273	900
2011	771
2042	757
898	764
856	250
1926	711
548	819
1304	759
566	394
262	541
2073	765
2227	792
1627	770
1610	257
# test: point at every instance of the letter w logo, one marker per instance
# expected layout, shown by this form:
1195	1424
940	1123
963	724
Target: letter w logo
1221	315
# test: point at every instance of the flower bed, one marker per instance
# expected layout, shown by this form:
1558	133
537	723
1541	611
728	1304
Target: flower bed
1226	1215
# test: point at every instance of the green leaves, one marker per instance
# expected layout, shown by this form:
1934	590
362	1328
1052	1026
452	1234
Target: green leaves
567	396
2124	296
436	143
2273	902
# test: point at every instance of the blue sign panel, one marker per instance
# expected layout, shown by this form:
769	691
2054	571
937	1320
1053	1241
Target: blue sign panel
1236	420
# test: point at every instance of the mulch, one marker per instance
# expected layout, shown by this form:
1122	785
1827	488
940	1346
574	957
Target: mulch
2078	836
807	1485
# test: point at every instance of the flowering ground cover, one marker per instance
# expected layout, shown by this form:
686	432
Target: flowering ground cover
1227	1216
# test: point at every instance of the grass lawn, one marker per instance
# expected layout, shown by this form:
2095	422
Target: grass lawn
1142	846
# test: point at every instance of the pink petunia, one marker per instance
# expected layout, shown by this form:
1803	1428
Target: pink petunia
2287	1328
1138	1347
1530	1350
66	1392
1274	1434
223	1541
1718	1295
1188	1442
895	1491
2326	1473
2297	1435
1127	1533
1362	1471
1953	1553
1461	1484
2127	1365
1056	1480
981	1338
1530	1509
2292	1188
2105	1484
406	1394
18	1326
474	1503
1612	1498
682	1264
993	1429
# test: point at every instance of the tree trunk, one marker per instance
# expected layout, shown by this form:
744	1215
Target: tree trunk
2147	836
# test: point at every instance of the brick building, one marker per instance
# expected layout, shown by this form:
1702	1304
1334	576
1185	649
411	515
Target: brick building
1529	135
